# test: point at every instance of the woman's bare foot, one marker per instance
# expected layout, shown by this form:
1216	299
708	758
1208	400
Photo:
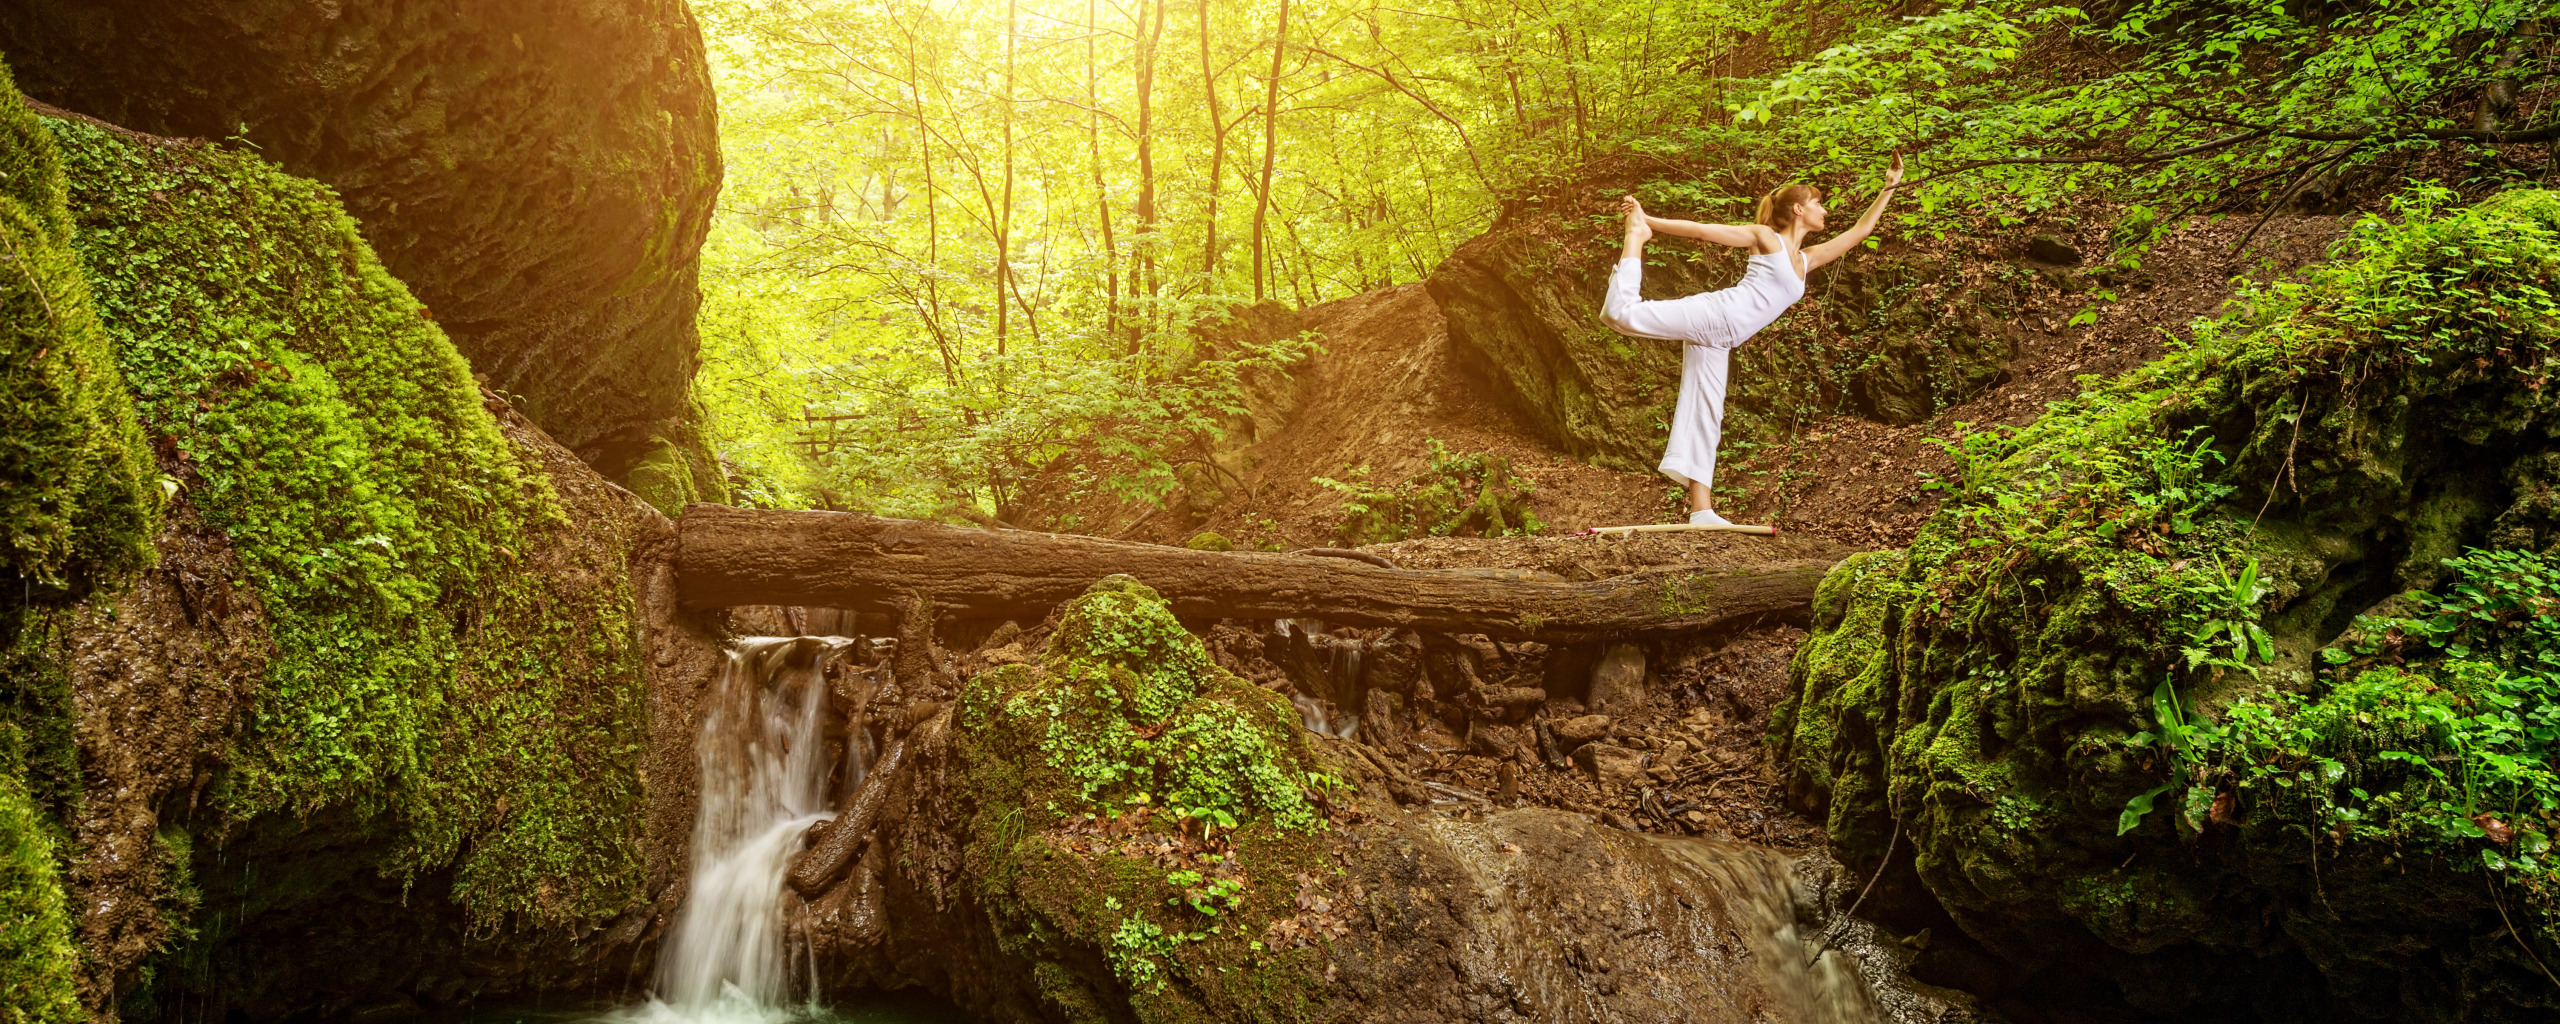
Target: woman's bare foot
1638	230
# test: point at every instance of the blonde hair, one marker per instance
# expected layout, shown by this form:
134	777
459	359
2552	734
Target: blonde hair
1778	208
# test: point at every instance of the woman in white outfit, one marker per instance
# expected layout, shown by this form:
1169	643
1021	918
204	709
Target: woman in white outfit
1713	324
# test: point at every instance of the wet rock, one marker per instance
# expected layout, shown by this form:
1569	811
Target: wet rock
1394	663
1615	768
1574	732
1501	742
1617	683
1510	703
2052	249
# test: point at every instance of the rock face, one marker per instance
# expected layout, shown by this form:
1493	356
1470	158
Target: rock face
2133	720
1523	300
1217	862
540	173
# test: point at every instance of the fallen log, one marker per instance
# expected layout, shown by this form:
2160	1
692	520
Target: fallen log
728	556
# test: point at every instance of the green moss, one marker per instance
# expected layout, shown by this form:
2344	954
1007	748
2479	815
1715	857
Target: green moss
676	468
37	961
1126	716
76	502
2121	605
446	661
1208	541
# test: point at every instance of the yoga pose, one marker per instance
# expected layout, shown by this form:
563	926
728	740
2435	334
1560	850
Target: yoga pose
1713	324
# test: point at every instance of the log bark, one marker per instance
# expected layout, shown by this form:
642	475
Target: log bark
727	556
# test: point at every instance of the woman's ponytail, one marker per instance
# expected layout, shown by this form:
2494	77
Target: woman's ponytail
1778	209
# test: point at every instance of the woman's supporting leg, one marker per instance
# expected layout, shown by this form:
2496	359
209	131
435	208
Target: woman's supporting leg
1697	422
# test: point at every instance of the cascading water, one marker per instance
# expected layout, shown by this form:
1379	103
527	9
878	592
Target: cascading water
772	763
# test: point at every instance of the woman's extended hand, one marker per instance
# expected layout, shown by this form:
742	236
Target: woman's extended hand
1893	174
1628	205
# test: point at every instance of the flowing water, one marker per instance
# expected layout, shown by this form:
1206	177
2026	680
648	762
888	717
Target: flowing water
775	760
776	757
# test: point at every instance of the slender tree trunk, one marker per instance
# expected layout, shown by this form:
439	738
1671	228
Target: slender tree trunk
932	224
1101	191
1217	158
1149	33
1270	138
1004	218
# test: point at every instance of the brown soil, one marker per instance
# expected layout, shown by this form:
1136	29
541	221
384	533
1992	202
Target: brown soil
1390	379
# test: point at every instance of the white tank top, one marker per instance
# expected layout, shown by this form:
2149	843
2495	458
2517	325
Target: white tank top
1769	285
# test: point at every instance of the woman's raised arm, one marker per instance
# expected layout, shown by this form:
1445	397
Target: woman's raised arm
1839	245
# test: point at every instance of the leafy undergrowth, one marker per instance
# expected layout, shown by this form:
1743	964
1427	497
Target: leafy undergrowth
1458	495
1133	798
427	673
2124	629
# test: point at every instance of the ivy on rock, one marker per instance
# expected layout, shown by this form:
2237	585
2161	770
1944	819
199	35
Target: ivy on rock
2144	673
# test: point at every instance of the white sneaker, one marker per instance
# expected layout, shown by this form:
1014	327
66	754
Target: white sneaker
1707	517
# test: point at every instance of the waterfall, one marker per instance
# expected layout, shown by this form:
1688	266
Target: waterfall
772	763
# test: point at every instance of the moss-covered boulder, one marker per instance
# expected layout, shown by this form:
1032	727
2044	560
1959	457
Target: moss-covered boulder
2143	696
381	701
1126	721
1880	335
540	173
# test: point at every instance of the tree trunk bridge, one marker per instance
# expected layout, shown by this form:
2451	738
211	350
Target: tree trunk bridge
729	556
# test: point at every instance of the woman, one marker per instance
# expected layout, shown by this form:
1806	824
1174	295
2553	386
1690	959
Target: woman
1715	323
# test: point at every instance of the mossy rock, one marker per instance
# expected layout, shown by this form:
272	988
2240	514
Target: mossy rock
1208	541
1997	695
1126	716
444	647
37	960
1523	306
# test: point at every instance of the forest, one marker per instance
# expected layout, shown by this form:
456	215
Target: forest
998	233
1167	511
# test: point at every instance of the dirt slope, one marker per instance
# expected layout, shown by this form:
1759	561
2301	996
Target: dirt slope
1390	379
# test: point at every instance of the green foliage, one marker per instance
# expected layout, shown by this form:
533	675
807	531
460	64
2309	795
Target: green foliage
2438	730
426	664
2224	92
2122	604
1458	495
77	502
38	963
1126	719
1128	710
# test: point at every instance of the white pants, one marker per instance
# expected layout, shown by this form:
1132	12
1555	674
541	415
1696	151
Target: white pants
1697	422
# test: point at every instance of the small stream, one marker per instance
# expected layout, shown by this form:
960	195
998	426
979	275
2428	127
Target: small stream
774	761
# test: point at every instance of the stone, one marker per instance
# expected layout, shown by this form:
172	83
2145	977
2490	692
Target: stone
2052	249
1207	541
1500	742
1617	683
1393	664
1615	768
1574	732
1521	299
540	173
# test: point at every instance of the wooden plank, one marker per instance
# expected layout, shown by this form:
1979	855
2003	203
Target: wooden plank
1764	531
